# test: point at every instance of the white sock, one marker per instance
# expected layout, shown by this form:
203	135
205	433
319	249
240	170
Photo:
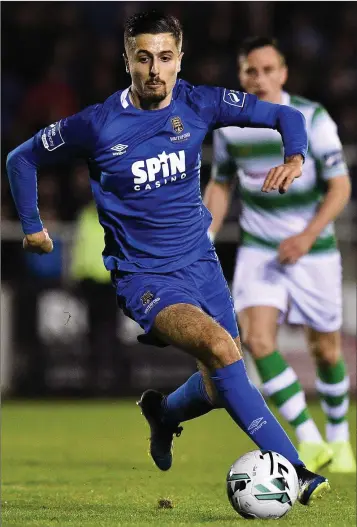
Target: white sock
338	432
308	431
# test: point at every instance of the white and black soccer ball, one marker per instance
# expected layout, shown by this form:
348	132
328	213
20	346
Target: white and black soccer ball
262	484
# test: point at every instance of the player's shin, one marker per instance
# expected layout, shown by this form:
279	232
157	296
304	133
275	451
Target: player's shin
333	387
281	384
247	407
190	400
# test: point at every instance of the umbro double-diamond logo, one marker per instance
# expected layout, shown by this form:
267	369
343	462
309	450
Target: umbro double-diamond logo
256	425
119	150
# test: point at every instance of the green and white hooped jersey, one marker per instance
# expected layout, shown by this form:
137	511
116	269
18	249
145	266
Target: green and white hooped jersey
249	153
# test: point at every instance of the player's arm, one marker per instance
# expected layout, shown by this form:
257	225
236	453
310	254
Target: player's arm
327	150
232	108
217	198
218	192
71	137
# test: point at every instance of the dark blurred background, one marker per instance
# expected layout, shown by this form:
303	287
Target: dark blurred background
61	332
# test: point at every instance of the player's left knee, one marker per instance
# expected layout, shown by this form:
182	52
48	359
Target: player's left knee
329	357
326	349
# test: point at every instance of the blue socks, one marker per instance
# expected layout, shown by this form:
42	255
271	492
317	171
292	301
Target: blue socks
187	402
240	398
246	406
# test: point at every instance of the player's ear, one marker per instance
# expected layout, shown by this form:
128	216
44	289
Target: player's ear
126	63
240	71
179	62
284	75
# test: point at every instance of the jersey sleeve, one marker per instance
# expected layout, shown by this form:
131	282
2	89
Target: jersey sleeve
220	107
59	142
325	145
72	136
224	167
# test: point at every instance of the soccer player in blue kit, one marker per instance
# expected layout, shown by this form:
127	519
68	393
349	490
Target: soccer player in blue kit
143	148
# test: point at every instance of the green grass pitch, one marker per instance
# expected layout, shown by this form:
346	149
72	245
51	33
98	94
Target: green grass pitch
86	464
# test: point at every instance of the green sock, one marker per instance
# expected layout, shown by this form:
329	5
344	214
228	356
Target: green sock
332	384
281	384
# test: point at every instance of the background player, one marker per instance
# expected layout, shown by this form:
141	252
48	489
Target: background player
288	256
143	148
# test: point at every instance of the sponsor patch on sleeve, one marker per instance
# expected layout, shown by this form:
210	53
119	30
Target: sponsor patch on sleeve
51	137
333	158
234	97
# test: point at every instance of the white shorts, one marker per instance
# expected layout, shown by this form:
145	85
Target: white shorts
308	292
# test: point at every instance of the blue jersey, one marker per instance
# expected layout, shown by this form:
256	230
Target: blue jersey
144	169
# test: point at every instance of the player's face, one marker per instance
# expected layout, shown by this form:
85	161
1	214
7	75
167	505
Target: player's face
263	73
153	62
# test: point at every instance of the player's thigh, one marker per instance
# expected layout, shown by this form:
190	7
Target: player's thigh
258	327
259	280
325	347
207	277
188	328
315	292
141	296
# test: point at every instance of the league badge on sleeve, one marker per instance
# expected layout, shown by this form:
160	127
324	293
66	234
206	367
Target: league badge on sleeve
234	97
51	137
333	158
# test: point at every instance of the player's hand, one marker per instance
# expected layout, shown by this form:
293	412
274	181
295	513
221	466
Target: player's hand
291	249
281	177
39	242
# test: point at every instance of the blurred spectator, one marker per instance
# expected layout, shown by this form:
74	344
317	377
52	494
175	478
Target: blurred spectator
46	102
11	95
78	191
87	262
93	283
306	39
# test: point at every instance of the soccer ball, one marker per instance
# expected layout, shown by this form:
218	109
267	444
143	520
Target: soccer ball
262	484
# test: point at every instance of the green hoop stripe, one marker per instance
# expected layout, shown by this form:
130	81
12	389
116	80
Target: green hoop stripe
254	150
321	244
281	201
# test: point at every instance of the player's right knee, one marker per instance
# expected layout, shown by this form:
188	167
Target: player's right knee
259	345
223	351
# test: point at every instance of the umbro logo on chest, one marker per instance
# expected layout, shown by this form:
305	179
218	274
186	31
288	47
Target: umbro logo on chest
119	150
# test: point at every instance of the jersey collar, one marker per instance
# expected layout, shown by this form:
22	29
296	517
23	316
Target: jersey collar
285	98
124	98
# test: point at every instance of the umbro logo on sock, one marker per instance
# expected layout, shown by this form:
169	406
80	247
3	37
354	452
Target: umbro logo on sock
255	425
119	150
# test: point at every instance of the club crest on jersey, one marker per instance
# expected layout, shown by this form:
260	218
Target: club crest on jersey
177	125
234	98
147	298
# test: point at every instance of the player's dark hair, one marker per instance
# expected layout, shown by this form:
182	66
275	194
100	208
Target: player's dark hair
252	43
153	22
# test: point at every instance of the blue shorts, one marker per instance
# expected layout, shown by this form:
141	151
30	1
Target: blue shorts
142	296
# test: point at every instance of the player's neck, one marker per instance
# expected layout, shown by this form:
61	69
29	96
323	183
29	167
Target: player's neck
277	98
144	105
